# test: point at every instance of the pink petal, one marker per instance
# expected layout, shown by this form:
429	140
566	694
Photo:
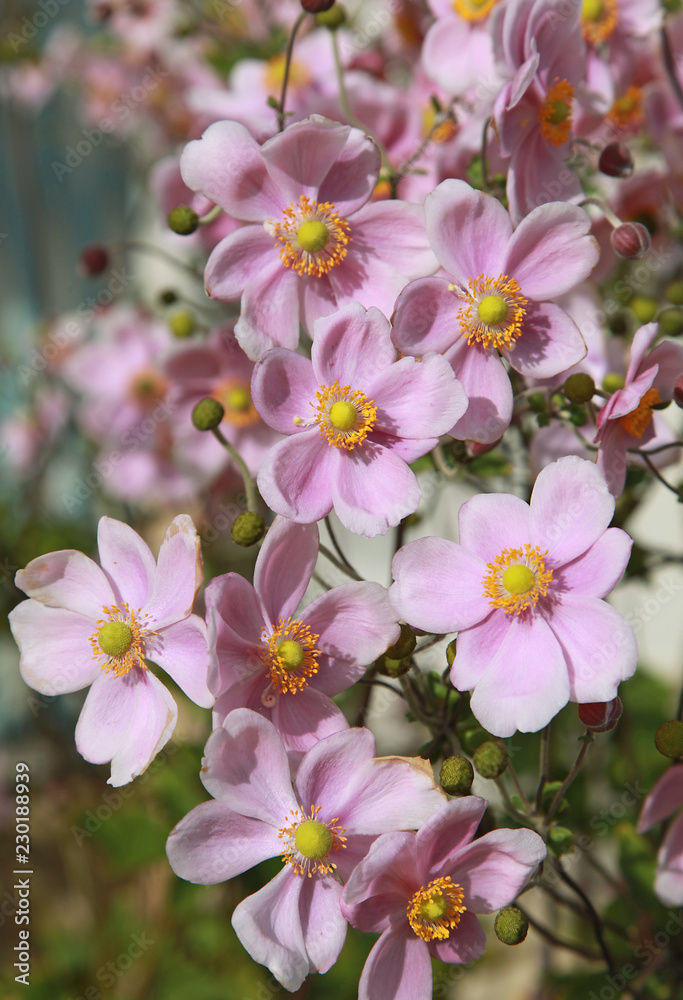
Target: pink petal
352	346
283	386
227	166
230	598
550	343
241	692
669	359
430	381
179	573
305	718
246	766
213	844
67	579
351	179
295	478
526	683
426	317
127	561
299	159
495	868
664	798
446	833
394	232
571	507
377	891
476	647
397	968
184	655
551	251
468	231
598	645
491	522
56	655
669	876
600	568
331	766
643	339
627	399
270	311
268	925
464	945
285	566
235	260
322	923
612	460
489	394
475	54
125	720
373	489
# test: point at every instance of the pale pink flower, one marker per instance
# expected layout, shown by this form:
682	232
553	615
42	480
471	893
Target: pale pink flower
666	798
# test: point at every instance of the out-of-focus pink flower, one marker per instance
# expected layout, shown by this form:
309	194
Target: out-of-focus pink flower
665	798
342	799
461	26
523	591
90	626
287	666
421	892
352	422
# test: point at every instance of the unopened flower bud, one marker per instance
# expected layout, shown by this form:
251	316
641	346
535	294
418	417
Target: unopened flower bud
207	414
183	220
393	668
601	716
511	925
457	775
671	322
645	308
560	840
490	759
93	260
616	160
404	645
678	391
182	323
316	6
333	18
247	529
450	652
579	388
669	738
630	240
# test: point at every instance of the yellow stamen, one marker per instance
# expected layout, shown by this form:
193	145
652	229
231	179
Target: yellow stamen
637	421
310	841
122	639
555	114
313	237
345	416
599	18
494	313
435	910
473	10
517	578
291	655
628	109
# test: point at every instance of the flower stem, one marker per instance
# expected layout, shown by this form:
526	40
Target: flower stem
567	782
343	566
351	571
249	485
545	759
285	79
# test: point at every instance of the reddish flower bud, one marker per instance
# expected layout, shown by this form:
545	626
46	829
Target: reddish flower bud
678	391
317	6
93	260
616	160
630	240
601	716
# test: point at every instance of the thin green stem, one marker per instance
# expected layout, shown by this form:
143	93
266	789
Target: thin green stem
249	485
554	806
281	114
592	913
346	107
352	572
348	570
594	956
544	765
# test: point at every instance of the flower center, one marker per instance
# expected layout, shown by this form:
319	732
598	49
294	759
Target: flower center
148	387
473	10
434	911
555	114
273	76
344	415
309	842
291	656
313	237
598	20
494	311
122	639
637	421
236	400
517	578
628	109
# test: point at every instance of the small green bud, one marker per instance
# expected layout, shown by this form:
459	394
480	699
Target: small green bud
450	652
457	775
644	307
182	323
613	381
579	388
247	529
490	759
674	293
669	738
404	645
207	414
183	220
511	925
333	18
393	668
671	322
537	402
560	840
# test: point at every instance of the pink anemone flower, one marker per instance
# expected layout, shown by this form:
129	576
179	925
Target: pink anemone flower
665	798
342	799
523	590
310	242
355	417
421	892
89	625
266	657
496	298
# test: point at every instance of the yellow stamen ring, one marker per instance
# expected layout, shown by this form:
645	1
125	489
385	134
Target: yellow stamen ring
517	578
494	312
290	655
435	910
473	10
310	841
599	18
345	416
122	639
313	237
637	421
555	114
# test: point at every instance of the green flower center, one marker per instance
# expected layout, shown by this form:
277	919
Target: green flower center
312	236
558	112
313	839
518	579
292	654
115	638
492	309
434	906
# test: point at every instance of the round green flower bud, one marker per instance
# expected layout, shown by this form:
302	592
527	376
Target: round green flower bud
560	840
450	652
457	775
182	323
247	529
511	925
207	414
579	388
669	738
183	220
393	668
333	18
404	645
674	293
671	322
644	307
490	759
